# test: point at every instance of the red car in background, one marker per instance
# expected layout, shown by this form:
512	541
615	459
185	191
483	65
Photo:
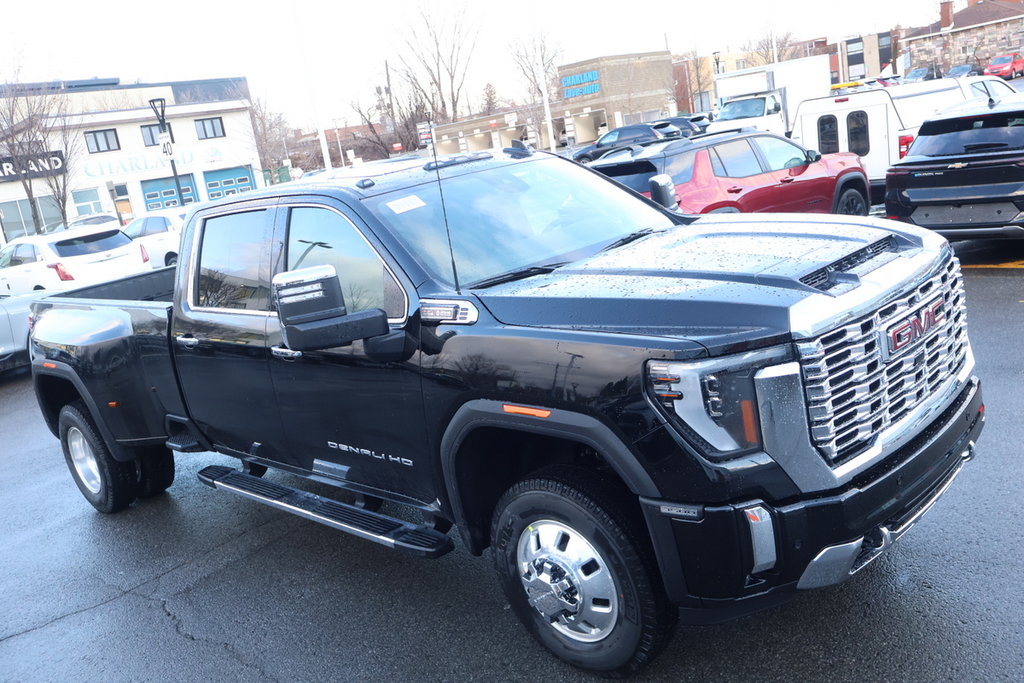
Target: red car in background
743	171
1009	66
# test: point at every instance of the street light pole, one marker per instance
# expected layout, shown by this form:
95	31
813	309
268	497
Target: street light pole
159	106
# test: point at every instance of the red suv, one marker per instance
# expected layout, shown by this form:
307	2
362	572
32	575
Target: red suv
746	170
1008	66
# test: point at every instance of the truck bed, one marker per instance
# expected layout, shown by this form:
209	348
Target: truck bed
157	285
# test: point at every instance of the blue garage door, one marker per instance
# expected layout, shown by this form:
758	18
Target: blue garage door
228	181
161	194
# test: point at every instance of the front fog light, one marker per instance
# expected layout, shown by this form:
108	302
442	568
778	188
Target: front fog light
714	400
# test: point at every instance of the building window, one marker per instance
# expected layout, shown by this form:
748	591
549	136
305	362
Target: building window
151	134
102	141
209	128
855	47
884	41
120	191
86	201
741	64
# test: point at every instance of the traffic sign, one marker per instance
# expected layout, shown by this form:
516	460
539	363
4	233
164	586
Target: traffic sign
165	144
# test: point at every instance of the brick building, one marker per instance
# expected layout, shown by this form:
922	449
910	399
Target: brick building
975	34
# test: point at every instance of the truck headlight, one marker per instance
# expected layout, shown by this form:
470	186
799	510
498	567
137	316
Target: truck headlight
713	401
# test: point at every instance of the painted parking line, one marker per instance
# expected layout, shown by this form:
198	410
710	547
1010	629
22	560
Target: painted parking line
1008	264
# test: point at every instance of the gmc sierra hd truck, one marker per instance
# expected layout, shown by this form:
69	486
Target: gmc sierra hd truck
644	415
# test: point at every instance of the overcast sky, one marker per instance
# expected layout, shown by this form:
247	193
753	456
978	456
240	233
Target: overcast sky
337	48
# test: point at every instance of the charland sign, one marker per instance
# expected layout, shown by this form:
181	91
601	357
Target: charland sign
34	166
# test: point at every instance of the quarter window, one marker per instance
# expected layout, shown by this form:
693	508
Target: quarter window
209	128
102	141
857	132
828	134
735	159
323	237
229	262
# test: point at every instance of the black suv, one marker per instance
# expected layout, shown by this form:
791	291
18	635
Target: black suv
962	175
624	136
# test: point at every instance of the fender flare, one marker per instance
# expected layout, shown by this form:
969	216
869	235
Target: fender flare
65	373
478	413
842	185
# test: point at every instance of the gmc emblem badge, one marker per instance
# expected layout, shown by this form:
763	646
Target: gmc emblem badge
912	329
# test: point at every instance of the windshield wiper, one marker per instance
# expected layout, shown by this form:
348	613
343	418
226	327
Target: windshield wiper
626	239
517	274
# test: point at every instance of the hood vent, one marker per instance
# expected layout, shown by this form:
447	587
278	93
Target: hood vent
823	279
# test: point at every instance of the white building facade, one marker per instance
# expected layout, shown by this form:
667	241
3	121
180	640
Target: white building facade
116	163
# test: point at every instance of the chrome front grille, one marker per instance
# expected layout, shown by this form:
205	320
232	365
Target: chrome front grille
856	386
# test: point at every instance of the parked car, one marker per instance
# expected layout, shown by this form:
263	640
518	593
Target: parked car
69	259
962	176
160	233
1006	66
702	120
623	137
686	127
922	73
961	70
745	171
14	328
880	124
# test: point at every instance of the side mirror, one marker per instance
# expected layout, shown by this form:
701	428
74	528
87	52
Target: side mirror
813	155
777	108
312	311
663	191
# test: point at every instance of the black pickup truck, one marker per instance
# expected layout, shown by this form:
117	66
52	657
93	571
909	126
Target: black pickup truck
644	415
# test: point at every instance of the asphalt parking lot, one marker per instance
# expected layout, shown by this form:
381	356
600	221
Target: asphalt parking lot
197	585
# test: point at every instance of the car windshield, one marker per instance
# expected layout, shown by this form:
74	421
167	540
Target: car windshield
1001	60
983	133
502	219
742	109
957	70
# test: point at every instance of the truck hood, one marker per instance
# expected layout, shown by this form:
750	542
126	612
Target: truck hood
728	282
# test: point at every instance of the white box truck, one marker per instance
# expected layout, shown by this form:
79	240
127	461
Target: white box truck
766	97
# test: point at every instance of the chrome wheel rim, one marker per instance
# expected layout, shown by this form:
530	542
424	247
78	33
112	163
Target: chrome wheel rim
84	460
567	581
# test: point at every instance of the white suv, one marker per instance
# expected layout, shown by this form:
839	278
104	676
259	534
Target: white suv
69	259
160	233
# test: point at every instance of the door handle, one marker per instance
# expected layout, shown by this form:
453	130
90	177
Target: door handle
735	189
287	354
786	179
187	342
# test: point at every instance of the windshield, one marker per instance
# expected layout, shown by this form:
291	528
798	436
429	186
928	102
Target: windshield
509	217
988	133
1001	60
957	70
742	109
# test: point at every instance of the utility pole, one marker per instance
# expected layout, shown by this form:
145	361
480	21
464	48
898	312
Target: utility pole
159	107
391	98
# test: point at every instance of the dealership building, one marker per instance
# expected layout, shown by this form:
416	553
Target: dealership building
594	95
114	158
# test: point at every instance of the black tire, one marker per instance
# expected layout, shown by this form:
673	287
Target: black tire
171	260
108	484
852	203
155	467
631	619
584	159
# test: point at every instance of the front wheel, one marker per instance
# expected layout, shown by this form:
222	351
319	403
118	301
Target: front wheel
108	484
171	260
852	203
579	572
584	159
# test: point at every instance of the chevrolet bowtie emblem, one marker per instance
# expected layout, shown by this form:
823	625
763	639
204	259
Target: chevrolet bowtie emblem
958	164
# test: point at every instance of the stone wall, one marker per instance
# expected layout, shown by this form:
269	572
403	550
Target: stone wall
970	46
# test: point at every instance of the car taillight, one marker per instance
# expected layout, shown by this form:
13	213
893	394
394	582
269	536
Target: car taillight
905	141
145	254
62	272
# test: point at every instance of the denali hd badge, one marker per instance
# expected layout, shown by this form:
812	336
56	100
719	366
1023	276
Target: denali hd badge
913	328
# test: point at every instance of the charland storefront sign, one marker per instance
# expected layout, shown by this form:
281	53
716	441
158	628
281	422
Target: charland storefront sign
37	166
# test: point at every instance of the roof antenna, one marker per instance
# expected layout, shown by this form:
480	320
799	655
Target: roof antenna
440	192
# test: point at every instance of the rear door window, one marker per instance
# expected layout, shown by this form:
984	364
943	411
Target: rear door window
91	244
23	253
735	159
828	134
857	132
229	262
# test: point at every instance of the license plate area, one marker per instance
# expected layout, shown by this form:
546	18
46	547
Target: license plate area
952	215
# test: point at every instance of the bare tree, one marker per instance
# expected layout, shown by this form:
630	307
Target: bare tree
377	139
269	130
490	104
698	75
65	137
24	133
537	60
439	54
760	51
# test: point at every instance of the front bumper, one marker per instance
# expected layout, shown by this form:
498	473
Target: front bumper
713	558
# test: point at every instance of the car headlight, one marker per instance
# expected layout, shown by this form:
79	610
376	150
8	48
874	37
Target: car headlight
713	401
